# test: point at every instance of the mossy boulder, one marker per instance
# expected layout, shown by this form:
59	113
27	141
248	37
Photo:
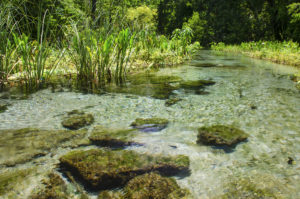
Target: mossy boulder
105	137
220	135
152	185
171	102
101	169
195	85
54	187
77	119
150	124
23	145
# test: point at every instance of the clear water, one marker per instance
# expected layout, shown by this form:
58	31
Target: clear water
255	96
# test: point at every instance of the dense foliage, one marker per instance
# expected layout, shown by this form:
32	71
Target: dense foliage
99	39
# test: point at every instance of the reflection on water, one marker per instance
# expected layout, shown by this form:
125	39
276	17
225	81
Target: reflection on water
255	96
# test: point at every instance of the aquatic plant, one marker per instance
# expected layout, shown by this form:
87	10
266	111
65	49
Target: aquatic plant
286	52
124	44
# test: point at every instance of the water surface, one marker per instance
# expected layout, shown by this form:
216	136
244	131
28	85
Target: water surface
255	96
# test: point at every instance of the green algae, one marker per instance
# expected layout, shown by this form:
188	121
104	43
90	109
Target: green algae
77	119
204	65
149	85
153	79
22	145
157	91
3	107
150	124
54	187
171	102
220	135
9	179
111	195
105	137
154	186
198	84
255	187
101	169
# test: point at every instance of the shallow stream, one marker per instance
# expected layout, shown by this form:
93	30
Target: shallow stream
253	95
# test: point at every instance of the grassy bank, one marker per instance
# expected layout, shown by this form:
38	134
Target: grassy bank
286	52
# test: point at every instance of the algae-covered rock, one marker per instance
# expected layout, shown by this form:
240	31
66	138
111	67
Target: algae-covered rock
111	195
9	180
102	169
77	119
255	187
112	137
220	135
149	85
204	65
171	102
3	107
23	145
198	84
54	187
153	79
154	186
157	91
150	124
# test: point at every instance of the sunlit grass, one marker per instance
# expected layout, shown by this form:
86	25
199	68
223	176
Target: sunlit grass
286	52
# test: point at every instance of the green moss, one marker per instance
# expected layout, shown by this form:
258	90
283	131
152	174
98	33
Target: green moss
102	169
54	188
150	124
154	186
171	102
76	120
112	137
220	135
23	145
9	180
198	84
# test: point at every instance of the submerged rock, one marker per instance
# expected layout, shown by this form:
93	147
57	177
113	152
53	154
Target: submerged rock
111	195
77	119
153	185
153	79
112	137
220	135
102	169
171	102
204	65
3	107
150	124
198	84
255	187
23	145
10	179
149	85
54	187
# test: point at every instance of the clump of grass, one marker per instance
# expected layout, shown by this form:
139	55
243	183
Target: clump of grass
286	52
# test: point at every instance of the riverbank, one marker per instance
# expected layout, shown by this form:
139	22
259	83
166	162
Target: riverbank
278	52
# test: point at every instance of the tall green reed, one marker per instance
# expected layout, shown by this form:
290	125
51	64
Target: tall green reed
124	45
